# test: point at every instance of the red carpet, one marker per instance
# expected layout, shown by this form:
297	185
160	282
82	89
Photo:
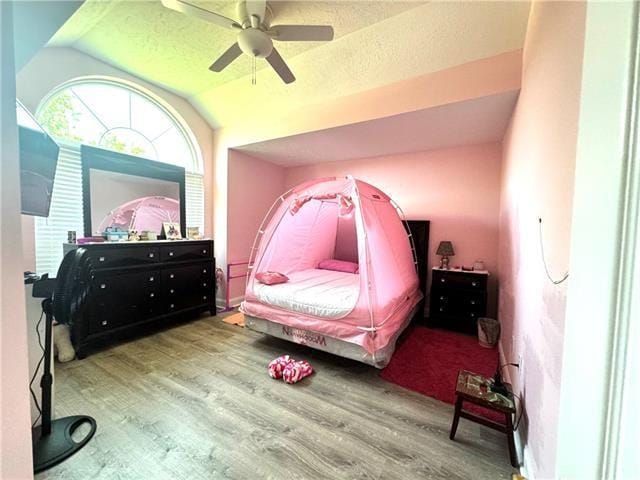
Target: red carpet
428	360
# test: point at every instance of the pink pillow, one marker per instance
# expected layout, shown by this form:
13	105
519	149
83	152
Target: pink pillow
338	266
271	278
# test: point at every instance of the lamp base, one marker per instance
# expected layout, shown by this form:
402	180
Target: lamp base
58	445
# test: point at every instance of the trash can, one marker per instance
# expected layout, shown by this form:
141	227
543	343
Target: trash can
488	332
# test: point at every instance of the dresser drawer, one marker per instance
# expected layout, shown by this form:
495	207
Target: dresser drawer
189	300
459	280
124	256
122	285
124	298
182	252
107	316
181	278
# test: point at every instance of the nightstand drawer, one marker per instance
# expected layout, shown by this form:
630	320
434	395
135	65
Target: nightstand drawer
456	302
459	280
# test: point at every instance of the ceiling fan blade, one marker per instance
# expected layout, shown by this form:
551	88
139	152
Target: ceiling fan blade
195	11
301	33
226	58
280	67
256	8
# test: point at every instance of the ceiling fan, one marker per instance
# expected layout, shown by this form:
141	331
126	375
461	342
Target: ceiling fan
255	33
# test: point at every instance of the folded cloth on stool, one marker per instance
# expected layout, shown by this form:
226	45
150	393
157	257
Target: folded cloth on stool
296	371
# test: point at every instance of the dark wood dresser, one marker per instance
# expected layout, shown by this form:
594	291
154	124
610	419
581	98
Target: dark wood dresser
458	299
136	283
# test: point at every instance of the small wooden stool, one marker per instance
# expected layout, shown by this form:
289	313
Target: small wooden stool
474	388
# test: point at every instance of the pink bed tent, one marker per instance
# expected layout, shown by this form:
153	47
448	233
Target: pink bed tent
345	219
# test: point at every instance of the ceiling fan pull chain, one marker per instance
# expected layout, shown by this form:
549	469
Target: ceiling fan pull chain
253	72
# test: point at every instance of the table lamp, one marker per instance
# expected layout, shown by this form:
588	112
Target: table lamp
445	250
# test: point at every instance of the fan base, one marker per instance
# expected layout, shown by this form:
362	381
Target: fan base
49	450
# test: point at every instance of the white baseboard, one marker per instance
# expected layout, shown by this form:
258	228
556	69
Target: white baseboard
234	302
526	467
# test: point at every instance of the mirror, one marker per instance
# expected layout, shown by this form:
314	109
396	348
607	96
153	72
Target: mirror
130	193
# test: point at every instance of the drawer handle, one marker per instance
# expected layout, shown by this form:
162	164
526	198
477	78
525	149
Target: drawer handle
171	254
171	275
104	322
441	309
204	297
151	279
472	314
103	286
151	255
441	298
204	270
172	306
204	284
442	280
171	291
152	294
204	252
101	259
474	284
473	302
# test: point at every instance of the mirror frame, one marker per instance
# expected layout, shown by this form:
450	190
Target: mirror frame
107	160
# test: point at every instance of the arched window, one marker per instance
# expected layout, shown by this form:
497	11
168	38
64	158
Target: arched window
113	115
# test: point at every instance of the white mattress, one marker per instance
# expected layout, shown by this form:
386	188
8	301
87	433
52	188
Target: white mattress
321	293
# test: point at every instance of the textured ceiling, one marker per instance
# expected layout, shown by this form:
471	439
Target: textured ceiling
147	39
377	42
481	120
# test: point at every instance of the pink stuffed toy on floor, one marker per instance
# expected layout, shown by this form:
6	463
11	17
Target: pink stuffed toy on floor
277	365
290	370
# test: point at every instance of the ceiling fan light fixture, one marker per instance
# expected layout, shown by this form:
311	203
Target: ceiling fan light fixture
255	43
255	33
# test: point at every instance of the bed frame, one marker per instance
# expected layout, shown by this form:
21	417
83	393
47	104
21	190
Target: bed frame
329	344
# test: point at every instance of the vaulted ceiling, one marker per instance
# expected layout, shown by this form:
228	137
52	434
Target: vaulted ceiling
376	43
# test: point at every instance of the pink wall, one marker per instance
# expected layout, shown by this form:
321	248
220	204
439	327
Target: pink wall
537	181
253	187
458	189
476	79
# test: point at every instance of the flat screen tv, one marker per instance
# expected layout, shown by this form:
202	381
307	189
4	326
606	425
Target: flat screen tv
38	161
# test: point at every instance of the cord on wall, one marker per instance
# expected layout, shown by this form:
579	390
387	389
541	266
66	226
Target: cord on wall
544	260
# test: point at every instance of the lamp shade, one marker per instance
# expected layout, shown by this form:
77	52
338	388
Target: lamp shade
445	249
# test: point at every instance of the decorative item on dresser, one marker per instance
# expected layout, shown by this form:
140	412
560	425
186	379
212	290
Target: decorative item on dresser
458	299
136	283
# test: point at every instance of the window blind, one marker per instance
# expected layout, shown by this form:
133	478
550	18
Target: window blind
66	211
194	196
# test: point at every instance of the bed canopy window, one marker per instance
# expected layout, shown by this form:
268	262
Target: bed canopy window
118	116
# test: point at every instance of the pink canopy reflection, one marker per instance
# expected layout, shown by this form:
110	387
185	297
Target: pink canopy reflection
145	213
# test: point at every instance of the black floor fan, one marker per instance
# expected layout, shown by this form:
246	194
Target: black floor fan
64	298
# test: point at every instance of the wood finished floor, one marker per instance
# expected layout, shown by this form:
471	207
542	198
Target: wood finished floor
195	402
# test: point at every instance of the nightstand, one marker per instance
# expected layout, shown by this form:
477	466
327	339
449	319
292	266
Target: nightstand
458	299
